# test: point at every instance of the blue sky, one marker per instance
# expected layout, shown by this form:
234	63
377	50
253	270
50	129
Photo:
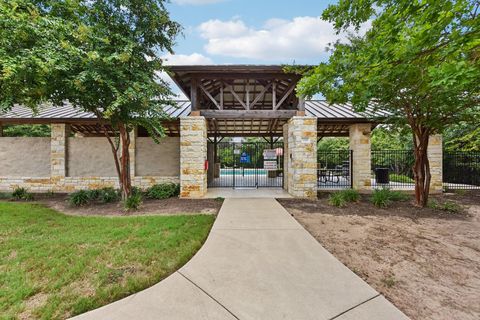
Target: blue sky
247	31
250	32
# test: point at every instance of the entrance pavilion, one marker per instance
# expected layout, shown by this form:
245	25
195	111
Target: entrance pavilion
260	102
243	127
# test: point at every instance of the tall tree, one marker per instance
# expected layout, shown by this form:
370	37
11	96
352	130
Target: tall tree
419	61
101	56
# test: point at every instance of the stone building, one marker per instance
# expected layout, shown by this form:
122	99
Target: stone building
200	151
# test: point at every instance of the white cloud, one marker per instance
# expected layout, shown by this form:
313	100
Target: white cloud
278	39
196	2
184	59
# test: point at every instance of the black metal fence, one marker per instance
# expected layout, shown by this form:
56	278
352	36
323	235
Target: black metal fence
393	169
461	169
334	169
246	165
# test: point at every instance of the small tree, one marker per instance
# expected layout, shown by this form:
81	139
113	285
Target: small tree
101	56
419	62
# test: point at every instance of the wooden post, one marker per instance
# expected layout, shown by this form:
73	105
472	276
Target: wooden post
194	94
1	130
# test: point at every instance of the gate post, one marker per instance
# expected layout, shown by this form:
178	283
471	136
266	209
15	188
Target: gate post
193	154
435	157
361	163
301	159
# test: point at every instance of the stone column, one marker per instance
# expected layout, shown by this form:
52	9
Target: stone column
285	156
435	157
302	157
131	152
360	144
58	154
193	153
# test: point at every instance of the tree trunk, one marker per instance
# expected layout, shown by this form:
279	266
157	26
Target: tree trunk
125	180
421	167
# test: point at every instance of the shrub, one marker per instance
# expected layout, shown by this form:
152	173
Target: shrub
108	195
163	191
350	195
133	202
337	199
22	194
93	194
382	198
136	190
340	198
79	198
448	206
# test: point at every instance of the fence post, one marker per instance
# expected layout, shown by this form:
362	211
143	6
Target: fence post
435	157
360	145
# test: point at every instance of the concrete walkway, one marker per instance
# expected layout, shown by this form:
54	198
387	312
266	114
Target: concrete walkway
257	263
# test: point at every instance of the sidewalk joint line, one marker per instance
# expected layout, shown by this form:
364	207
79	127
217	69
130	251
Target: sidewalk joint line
209	295
355	306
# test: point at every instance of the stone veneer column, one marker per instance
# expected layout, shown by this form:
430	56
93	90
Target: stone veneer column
435	157
131	152
285	156
58	154
193	153
361	146
302	157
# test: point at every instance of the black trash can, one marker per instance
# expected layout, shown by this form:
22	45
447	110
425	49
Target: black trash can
381	176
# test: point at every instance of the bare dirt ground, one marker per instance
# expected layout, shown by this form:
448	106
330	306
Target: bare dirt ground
158	207
425	261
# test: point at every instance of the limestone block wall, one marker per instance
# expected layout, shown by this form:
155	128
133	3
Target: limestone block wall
302	157
361	162
193	153
65	164
90	157
161	159
16	159
435	157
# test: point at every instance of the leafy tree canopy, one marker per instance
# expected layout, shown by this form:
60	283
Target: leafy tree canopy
102	56
419	61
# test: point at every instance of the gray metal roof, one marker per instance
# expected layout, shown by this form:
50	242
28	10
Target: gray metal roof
316	108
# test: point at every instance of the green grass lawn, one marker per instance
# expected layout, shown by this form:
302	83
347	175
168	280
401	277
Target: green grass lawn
55	266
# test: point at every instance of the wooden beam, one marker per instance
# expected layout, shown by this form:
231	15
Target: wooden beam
248	114
194	94
235	95
274	95
288	92
210	97
260	95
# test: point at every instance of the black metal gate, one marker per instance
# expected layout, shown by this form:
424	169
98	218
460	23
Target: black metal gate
245	164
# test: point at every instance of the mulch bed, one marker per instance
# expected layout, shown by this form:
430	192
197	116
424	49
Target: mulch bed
425	261
161	207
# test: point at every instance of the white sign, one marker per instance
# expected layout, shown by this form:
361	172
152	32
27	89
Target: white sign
270	165
270	154
237	151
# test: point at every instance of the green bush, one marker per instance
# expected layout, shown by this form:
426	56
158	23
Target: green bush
400	178
448	206
79	198
337	199
350	195
382	198
163	191
93	195
22	194
108	195
341	198
133	202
